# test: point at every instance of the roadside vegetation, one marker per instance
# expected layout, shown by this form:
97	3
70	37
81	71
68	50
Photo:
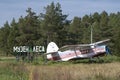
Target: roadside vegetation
10	69
13	71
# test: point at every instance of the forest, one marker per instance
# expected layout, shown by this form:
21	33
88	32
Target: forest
53	25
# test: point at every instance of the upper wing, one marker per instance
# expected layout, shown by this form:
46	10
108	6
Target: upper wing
100	42
73	47
82	46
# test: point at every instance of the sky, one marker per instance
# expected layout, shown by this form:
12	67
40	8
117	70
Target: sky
10	9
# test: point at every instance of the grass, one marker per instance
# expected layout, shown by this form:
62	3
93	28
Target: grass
77	70
107	71
13	71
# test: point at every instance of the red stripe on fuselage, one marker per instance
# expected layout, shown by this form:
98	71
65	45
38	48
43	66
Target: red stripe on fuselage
67	55
76	53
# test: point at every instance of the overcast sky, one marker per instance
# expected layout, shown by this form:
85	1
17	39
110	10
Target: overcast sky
10	9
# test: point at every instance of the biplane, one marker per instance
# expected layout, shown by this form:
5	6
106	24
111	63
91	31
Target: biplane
74	52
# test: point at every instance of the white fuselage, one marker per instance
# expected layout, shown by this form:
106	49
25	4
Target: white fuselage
77	54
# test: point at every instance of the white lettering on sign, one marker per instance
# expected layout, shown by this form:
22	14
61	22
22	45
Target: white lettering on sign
28	49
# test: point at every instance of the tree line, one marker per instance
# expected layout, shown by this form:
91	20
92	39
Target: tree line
53	25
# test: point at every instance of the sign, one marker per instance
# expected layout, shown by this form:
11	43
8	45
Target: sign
28	49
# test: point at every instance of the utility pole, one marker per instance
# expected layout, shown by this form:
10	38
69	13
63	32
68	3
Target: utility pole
91	38
91	34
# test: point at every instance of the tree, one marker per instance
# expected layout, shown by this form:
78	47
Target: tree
116	34
53	22
11	41
104	25
75	31
86	24
28	29
4	33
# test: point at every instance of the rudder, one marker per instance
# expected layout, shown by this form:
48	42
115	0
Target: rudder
52	47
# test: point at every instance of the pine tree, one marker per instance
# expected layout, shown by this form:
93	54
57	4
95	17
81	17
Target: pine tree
53	23
4	33
75	31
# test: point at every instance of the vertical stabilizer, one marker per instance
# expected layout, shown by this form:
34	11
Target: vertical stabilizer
52	47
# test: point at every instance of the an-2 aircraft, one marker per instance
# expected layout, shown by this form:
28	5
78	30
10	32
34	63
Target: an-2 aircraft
73	52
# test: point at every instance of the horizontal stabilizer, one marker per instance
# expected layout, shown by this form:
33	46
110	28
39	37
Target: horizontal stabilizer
50	53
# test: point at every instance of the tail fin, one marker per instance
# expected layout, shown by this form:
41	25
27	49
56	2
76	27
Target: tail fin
52	47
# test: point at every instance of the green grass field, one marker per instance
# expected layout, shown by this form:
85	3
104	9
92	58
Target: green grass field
10	69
